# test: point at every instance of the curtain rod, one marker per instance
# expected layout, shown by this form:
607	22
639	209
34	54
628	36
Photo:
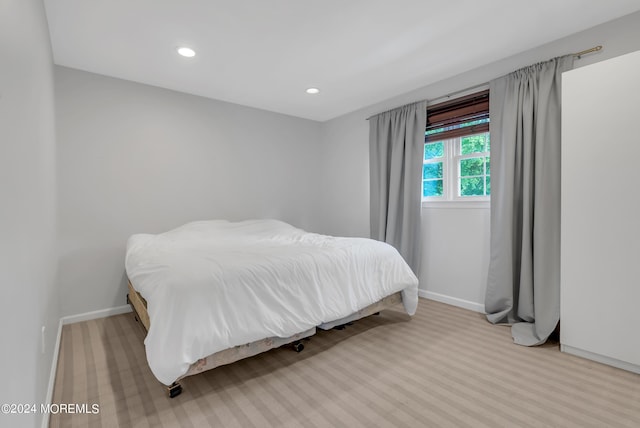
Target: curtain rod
577	55
593	49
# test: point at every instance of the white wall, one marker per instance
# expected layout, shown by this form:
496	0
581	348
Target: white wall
135	158
345	176
28	296
600	205
450	235
455	259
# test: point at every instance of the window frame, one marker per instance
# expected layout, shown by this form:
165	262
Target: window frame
457	158
451	173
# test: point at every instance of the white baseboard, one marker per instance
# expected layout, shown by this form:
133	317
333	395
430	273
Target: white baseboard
56	350
600	358
102	313
52	374
454	301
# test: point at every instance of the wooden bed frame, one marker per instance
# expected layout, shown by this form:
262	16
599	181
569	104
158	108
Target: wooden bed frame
228	356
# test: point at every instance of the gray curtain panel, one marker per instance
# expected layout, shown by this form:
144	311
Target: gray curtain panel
523	287
396	145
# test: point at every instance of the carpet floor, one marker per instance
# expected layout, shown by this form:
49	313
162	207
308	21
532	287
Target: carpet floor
444	367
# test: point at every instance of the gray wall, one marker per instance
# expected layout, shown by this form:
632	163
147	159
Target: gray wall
135	158
450	235
28	300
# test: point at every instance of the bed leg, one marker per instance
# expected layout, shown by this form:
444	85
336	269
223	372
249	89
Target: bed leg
297	346
135	315
174	390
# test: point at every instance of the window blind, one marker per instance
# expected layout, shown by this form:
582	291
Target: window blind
459	117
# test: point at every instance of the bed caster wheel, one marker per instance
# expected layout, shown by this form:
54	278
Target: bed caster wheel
297	346
174	390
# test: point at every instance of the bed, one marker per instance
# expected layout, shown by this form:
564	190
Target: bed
212	292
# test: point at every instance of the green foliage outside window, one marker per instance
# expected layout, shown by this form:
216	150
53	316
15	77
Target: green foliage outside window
432	170
432	173
433	150
475	177
471	166
432	188
475	144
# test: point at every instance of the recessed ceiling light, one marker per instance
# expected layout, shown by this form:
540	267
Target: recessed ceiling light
187	52
313	90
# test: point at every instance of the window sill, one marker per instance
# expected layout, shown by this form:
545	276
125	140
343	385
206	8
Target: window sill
477	205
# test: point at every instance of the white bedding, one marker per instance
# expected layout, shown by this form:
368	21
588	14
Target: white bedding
212	285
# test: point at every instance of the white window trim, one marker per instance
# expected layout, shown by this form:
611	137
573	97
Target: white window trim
450	174
457	204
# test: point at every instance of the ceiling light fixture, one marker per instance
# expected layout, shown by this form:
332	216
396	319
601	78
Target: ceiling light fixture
313	91
186	52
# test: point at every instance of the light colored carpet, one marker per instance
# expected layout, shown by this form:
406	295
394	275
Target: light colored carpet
445	367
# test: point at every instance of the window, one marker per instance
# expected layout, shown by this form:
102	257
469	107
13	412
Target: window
457	161
458	168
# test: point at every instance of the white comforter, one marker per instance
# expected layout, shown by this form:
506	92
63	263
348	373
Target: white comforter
212	285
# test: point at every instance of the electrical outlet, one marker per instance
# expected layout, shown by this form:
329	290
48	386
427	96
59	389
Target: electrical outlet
43	347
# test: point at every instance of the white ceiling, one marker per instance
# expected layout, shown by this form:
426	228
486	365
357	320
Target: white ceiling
265	53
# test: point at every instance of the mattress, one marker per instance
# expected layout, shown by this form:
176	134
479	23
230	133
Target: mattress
214	285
